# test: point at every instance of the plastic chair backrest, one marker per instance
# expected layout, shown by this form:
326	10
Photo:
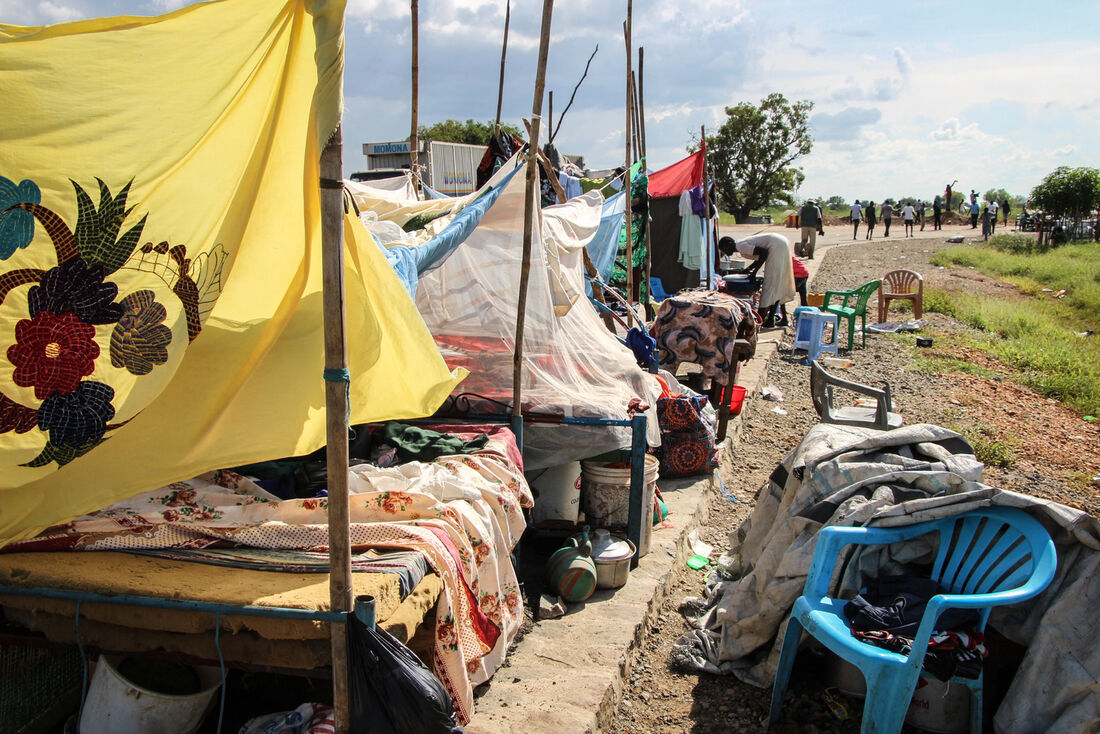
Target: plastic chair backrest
902	282
864	293
657	288
981	552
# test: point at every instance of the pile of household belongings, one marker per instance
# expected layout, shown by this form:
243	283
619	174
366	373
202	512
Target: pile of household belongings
848	476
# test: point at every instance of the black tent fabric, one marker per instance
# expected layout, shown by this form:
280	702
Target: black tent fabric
665	230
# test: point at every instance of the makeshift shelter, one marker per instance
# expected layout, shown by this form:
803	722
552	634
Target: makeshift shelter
180	317
572	366
666	188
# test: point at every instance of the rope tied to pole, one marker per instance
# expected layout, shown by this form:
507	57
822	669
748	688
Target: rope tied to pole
341	374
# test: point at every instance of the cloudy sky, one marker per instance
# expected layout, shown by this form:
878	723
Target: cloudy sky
906	98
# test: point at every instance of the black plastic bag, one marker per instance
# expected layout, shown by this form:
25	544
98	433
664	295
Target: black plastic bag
391	690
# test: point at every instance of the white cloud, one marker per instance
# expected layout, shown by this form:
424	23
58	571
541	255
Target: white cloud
59	13
844	125
1066	150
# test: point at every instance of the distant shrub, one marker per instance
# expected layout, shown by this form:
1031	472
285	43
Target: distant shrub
1019	244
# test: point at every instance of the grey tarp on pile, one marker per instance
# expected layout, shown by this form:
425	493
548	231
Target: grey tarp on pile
842	475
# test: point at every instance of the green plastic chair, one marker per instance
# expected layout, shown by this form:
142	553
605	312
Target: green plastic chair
862	296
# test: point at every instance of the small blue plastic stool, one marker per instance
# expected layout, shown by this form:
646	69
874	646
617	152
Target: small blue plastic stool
810	334
801	310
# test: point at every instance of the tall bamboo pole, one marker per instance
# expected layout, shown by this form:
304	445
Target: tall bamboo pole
707	243
414	141
530	212
635	119
550	118
641	115
336	408
503	55
627	187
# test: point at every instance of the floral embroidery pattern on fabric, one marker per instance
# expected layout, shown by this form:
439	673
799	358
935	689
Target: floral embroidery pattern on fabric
56	348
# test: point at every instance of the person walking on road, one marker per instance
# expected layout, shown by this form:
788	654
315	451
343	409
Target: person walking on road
937	213
809	219
975	210
857	212
920	213
909	213
1005	209
993	206
887	217
869	213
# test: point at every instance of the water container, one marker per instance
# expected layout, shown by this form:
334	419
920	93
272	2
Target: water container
117	706
571	570
557	493
605	496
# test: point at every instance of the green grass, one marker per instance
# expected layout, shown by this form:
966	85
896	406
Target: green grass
1032	337
1073	268
988	448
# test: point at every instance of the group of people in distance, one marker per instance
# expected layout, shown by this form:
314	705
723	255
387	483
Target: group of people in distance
912	215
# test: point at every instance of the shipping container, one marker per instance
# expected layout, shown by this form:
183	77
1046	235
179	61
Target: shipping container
450	168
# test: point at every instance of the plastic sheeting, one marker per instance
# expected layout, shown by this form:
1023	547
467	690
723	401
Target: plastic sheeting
680	176
605	243
572	365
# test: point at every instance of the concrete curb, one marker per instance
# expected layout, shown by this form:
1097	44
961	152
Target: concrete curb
567	675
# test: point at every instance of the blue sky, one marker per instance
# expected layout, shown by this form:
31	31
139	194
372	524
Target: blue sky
908	97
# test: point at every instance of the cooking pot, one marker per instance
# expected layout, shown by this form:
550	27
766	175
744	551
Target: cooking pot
612	555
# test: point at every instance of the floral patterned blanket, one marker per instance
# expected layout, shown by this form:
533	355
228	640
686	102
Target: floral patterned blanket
463	513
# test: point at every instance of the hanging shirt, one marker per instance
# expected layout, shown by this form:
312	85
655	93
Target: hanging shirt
571	185
691	234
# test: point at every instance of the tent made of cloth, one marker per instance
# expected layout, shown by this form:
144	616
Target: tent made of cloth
163	284
667	226
572	365
853	476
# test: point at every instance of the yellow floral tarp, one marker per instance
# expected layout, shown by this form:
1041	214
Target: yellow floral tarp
160	267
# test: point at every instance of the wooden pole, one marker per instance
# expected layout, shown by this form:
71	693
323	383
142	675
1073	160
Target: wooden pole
550	118
336	407
414	141
706	210
530	212
635	121
627	184
503	54
648	234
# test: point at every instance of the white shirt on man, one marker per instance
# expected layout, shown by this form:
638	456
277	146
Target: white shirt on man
857	212
908	212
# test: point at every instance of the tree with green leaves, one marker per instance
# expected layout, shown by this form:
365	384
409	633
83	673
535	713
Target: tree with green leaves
753	152
835	202
1068	192
471	132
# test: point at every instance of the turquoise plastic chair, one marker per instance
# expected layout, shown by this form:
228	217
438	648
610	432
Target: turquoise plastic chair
986	558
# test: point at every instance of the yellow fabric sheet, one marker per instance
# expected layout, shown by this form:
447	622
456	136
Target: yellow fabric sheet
160	266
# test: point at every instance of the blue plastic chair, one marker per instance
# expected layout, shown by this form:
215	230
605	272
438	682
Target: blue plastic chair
657	288
987	557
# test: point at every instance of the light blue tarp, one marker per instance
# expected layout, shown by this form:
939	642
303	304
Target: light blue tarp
603	246
411	262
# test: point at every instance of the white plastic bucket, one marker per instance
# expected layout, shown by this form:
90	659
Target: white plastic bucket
557	493
605	496
116	706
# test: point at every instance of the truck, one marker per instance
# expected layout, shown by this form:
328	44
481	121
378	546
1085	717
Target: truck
449	168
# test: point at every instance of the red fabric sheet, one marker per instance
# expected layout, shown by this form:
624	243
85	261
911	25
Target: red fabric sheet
675	179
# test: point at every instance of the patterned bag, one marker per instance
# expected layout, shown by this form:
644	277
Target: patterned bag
687	437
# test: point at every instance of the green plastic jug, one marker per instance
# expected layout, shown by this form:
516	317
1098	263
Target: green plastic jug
571	570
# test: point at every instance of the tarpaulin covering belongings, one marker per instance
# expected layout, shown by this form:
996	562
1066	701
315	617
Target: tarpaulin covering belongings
160	248
854	476
572	365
